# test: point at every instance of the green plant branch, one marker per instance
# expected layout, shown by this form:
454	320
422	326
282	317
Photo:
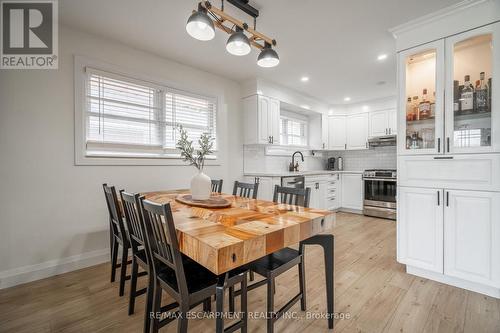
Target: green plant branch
195	157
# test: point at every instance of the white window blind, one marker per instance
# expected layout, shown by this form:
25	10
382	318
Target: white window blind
124	115
293	131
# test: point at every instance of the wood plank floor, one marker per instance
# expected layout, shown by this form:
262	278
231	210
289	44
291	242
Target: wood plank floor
370	287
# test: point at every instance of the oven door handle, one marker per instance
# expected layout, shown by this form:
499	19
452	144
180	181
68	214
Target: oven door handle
381	179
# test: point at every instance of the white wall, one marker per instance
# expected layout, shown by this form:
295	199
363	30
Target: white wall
51	209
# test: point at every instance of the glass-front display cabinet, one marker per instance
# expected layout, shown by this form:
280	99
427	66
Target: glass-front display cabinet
448	94
472	111
421	123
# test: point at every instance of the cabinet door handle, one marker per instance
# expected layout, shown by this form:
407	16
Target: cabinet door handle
389	131
386	131
269	139
447	199
439	203
345	146
439	145
323	145
448	144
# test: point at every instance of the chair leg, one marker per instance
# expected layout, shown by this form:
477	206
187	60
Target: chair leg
149	302
270	304
219	308
155	322
182	326
133	286
243	300
114	258
252	276
302	285
231	299
123	270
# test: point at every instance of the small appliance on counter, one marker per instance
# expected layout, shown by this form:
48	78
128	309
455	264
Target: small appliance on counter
331	164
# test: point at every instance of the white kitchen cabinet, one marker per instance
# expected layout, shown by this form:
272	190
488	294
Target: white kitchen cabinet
333	189
420	228
357	131
379	123
382	123
393	121
318	186
325	132
472	236
352	191
337	132
266	186
262	119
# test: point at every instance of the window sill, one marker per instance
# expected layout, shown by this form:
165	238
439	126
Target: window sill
92	158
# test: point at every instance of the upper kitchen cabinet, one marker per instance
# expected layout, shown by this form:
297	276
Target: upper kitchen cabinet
337	132
383	123
357	131
421	82
262	120
448	98
472	109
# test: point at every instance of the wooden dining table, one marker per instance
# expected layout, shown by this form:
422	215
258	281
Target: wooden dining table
222	239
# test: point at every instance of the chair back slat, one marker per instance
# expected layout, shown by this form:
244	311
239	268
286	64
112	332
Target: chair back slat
133	219
162	243
292	195
246	190
217	185
114	210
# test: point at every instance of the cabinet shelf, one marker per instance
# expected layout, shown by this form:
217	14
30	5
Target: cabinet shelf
426	121
469	116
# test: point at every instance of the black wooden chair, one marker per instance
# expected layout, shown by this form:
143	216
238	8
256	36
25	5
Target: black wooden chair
136	235
246	190
118	237
277	263
186	281
217	185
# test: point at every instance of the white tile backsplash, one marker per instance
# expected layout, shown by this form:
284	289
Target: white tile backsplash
374	158
257	161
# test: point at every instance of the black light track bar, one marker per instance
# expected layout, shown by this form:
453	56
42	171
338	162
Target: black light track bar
244	6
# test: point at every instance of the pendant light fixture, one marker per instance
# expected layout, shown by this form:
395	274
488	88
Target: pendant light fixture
268	57
200	26
238	44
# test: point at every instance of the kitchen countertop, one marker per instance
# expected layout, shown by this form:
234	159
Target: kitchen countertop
297	173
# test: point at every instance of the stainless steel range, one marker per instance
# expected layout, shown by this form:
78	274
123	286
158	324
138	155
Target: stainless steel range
380	193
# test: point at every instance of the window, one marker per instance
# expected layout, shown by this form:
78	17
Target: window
293	129
128	117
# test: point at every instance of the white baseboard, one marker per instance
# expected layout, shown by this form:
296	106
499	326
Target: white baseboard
24	274
456	282
350	210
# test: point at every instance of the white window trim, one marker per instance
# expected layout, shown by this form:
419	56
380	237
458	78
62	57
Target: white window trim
81	155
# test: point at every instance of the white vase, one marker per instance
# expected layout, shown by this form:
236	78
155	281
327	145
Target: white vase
201	186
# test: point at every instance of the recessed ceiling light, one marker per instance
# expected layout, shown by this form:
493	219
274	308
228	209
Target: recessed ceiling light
365	107
304	79
347	99
305	106
382	57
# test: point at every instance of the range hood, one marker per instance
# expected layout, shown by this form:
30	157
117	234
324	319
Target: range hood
382	141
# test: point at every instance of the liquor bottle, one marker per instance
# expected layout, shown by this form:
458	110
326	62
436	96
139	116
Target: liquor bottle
433	105
467	96
424	107
482	94
415	108
409	110
456	96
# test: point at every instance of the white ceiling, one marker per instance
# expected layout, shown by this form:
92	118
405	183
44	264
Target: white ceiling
335	43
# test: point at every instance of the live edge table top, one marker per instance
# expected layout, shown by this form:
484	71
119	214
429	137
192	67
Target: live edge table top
226	238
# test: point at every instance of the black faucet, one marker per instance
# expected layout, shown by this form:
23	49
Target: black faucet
294	167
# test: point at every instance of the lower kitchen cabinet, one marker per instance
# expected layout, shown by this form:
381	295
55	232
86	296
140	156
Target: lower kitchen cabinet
318	197
472	236
266	186
352	191
455	233
420	228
